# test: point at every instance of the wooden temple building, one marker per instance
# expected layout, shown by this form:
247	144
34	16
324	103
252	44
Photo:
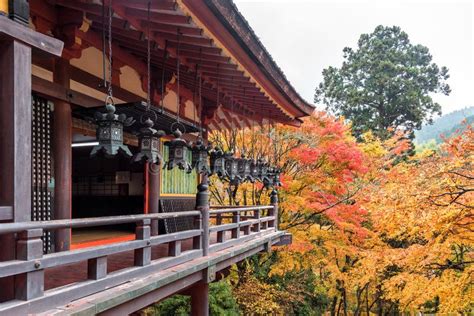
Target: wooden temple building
91	235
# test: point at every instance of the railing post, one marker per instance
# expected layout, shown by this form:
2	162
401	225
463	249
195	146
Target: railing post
142	232
174	248
197	243
97	268
28	247
257	225
236	220
221	234
202	204
274	211
153	194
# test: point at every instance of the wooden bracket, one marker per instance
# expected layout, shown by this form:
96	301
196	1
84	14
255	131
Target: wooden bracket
210	274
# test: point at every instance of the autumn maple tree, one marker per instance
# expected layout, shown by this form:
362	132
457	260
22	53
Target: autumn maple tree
371	232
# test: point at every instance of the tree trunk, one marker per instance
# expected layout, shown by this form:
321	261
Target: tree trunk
367	300
333	306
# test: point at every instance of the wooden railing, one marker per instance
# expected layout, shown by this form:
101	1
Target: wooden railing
244	223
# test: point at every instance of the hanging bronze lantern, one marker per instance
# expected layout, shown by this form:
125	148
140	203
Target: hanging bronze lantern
218	163
244	167
268	178
276	178
231	167
178	152
110	132
254	171
262	168
149	144
200	157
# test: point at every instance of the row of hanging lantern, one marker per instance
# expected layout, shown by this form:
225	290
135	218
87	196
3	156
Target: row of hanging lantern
205	161
239	170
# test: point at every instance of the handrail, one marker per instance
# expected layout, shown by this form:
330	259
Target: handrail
240	209
89	222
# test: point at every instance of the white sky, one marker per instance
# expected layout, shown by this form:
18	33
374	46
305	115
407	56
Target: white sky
304	37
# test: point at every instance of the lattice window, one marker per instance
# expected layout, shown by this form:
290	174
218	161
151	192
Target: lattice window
95	186
41	161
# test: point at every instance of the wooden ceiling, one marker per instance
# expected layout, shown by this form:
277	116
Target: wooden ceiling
239	94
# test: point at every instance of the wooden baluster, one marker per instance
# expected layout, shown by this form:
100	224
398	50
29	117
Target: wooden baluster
221	234
236	220
197	243
174	248
29	247
264	224
97	268
256	227
142	232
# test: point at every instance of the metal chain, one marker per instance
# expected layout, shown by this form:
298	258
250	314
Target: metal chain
109	87
148	60
200	106
194	93
103	46
177	74
165	56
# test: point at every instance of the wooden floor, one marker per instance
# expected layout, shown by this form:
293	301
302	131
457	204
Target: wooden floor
67	274
82	238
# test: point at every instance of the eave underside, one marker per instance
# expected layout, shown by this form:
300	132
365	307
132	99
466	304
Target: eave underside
80	25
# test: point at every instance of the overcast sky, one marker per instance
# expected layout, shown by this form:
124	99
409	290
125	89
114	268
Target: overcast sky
304	37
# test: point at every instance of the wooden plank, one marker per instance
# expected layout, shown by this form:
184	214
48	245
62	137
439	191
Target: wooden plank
63	258
89	222
239	209
39	42
160	293
6	213
56	92
66	294
134	290
158	16
224	227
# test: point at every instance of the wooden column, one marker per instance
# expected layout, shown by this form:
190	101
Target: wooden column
200	299
62	140
274	211
16	43
202	204
154	194
15	144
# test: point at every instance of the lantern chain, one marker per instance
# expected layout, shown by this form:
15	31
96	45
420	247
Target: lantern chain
165	56
148	59
109	86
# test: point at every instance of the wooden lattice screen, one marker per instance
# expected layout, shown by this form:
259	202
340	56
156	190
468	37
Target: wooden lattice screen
41	160
169	205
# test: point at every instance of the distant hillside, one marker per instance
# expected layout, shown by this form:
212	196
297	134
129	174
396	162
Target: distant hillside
446	125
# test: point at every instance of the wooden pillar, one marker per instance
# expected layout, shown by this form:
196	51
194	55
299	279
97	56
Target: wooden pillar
202	204
274	211
15	144
16	42
200	299
62	140
154	194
